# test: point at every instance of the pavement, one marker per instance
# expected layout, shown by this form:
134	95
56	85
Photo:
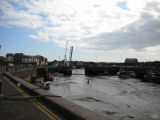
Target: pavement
14	108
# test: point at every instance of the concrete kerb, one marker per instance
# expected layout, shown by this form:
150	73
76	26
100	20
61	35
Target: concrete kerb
66	108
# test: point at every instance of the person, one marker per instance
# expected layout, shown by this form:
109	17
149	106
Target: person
88	81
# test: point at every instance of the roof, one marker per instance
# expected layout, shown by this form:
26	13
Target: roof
131	60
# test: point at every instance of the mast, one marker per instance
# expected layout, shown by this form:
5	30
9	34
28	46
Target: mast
70	58
65	57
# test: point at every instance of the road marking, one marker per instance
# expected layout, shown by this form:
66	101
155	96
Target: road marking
44	111
57	118
37	104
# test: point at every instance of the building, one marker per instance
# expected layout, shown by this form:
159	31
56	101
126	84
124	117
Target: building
26	59
55	63
10	57
131	60
20	58
3	60
38	60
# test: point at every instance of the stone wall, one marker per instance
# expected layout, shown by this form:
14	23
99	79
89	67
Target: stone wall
25	74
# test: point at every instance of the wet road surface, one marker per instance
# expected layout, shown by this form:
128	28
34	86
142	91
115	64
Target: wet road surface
119	99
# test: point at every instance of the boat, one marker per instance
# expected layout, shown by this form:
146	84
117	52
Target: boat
126	74
151	77
50	78
42	84
123	74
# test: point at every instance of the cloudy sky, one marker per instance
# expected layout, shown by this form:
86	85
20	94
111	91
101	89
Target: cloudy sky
99	30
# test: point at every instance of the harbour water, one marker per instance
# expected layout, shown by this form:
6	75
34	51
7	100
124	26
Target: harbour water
118	99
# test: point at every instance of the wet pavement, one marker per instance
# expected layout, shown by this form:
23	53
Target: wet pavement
119	99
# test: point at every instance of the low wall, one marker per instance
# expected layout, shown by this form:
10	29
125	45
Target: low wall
66	108
110	70
25	74
62	70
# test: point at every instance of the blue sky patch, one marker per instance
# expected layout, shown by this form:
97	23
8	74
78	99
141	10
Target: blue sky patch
17	6
1	13
122	5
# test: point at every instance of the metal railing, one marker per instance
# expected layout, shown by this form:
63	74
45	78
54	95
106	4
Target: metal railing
15	68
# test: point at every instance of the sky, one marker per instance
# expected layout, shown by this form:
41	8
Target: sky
98	30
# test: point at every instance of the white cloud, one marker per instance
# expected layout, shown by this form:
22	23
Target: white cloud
12	14
89	25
